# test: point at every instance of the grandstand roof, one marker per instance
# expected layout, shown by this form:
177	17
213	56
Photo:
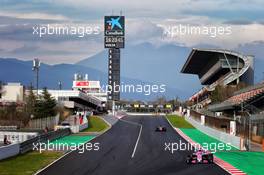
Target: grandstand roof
198	58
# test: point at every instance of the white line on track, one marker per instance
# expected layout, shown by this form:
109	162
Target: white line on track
135	147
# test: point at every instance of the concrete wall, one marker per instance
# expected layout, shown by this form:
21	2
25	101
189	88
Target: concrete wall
142	113
83	126
13	92
41	123
9	151
74	128
224	137
17	137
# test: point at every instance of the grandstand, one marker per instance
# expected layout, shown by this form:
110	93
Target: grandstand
250	98
217	67
222	68
74	99
247	108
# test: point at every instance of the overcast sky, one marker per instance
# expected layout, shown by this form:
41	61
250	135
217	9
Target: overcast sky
145	21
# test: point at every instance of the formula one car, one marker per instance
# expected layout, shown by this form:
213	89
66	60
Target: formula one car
200	156
161	129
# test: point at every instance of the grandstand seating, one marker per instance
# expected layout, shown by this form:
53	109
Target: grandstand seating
246	96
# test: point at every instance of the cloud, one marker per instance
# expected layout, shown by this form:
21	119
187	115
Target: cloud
255	48
143	24
17	40
94	9
239	22
252	48
240	33
51	53
23	30
142	31
7	20
261	22
39	16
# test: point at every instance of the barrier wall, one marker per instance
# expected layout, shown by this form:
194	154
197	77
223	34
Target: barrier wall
78	128
142	113
28	145
83	126
9	151
15	149
73	128
41	123
224	137
17	137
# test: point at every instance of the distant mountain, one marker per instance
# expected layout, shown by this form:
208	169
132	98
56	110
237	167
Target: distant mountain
259	70
142	64
13	70
257	49
151	64
163	64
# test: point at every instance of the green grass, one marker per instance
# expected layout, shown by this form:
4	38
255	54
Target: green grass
73	140
96	125
179	122
205	140
196	135
250	162
28	163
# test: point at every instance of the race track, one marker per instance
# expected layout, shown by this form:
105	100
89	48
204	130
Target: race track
117	147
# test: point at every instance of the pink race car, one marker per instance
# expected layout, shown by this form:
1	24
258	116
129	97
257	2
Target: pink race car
200	156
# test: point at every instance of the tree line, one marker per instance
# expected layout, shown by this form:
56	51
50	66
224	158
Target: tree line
34	106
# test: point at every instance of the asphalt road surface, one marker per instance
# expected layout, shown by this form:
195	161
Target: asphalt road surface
115	156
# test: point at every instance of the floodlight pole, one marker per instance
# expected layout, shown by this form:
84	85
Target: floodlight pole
60	85
36	66
113	107
37	70
247	121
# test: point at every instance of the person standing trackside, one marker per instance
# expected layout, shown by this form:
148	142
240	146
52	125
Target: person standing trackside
6	142
75	120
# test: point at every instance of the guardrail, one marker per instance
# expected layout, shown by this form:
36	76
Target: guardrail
40	123
28	145
17	136
9	151
8	128
222	136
